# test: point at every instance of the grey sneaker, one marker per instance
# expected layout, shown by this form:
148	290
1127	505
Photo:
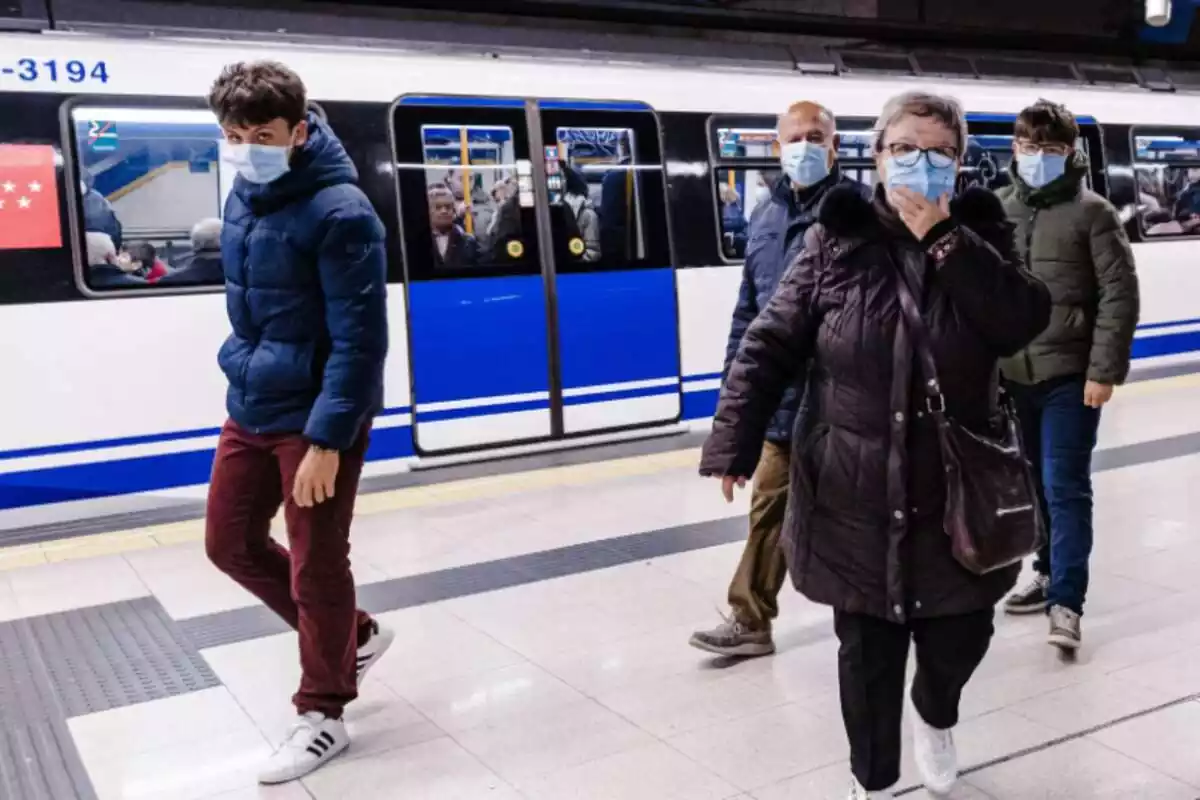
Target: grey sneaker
733	638
1029	600
1064	628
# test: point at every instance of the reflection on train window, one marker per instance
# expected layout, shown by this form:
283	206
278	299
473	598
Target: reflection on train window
750	143
474	196
857	146
1167	168
740	192
153	187
29	212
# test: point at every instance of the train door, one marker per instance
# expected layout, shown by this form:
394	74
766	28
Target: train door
478	335
616	316
541	298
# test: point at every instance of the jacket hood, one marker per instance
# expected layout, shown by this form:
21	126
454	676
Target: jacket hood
1063	188
846	212
320	163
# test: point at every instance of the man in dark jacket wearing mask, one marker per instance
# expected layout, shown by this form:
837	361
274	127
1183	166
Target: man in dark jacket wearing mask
808	154
305	284
1072	239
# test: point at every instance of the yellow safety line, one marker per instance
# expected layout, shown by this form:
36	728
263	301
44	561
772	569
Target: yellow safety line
102	544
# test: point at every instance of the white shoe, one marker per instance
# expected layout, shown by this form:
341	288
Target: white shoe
934	752
381	639
314	740
857	792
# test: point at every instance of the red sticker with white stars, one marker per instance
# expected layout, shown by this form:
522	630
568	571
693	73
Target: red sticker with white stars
29	217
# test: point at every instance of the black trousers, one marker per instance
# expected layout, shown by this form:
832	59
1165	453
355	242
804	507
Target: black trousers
871	668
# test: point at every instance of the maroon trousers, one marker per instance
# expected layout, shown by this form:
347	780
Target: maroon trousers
309	584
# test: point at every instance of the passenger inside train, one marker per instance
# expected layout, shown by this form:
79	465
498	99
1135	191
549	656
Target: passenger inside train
452	246
203	266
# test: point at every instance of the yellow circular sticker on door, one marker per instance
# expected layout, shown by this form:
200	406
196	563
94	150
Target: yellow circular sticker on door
516	249
576	246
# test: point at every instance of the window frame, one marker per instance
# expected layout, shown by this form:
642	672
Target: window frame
650	207
74	198
720	163
1136	164
73	172
414	225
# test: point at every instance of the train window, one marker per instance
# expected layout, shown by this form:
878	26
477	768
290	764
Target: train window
742	188
29	207
606	192
474	196
1167	169
739	192
746	152
152	187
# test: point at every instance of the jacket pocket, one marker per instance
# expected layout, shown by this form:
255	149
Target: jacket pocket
233	358
281	368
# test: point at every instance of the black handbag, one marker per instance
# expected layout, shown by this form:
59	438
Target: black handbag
992	512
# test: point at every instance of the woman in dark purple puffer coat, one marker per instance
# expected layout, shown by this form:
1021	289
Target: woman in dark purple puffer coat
864	529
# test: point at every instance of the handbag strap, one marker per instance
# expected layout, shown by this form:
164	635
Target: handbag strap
935	401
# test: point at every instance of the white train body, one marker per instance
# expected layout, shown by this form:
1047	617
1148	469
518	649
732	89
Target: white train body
108	400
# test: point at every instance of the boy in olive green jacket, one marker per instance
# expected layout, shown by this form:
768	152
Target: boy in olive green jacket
1072	239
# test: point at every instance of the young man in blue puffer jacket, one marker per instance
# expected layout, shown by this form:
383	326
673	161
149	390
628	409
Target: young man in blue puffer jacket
306	290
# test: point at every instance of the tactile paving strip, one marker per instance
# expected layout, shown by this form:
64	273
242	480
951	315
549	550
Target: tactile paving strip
117	655
79	662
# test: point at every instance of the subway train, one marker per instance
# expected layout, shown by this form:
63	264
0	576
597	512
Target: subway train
563	243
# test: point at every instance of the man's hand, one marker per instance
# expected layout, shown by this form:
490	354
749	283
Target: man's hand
1095	395
316	477
727	484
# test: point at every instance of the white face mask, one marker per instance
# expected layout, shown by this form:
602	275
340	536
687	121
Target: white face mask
257	163
762	194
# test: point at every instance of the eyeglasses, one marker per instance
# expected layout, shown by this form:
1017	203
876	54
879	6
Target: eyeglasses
907	155
1028	148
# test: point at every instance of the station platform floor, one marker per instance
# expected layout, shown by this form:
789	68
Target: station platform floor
542	619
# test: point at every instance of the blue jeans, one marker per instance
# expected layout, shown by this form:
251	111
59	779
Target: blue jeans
1060	435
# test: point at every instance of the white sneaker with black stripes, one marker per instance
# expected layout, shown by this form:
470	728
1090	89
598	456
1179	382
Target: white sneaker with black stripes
314	740
370	653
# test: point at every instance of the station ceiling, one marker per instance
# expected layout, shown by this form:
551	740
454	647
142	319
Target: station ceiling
1099	28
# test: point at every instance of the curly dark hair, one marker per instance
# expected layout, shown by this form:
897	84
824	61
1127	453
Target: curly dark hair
256	92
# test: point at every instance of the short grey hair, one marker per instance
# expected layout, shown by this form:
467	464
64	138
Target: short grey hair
206	235
946	110
100	248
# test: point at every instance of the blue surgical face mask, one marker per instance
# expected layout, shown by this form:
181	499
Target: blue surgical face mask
258	163
1039	169
805	163
924	177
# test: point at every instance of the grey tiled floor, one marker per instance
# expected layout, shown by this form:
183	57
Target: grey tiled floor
577	682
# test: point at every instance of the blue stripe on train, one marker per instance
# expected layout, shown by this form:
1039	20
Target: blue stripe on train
147	473
171	470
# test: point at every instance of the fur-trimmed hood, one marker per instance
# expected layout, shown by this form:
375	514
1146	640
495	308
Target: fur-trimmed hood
846	214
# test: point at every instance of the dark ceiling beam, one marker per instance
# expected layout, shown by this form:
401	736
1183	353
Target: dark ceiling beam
1083	26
